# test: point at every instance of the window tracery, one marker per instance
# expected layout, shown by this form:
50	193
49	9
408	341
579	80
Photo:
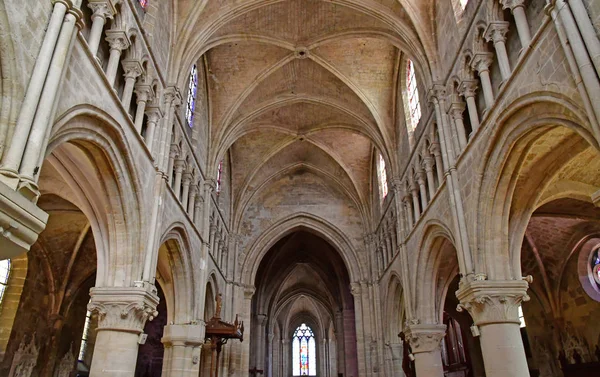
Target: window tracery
304	352
191	98
595	265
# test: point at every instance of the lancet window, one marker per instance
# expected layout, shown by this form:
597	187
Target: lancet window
219	177
304	352
382	175
191	98
414	105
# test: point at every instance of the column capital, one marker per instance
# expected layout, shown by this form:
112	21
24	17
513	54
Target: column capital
249	292
123	308
180	164
173	95
102	8
143	92
355	289
512	4
428	163
496	31
436	92
424	337
456	109
117	40
132	69
492	301
468	88
185	335
482	61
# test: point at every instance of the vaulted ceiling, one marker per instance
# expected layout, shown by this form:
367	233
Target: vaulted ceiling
306	85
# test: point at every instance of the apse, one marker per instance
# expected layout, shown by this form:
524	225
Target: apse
303	319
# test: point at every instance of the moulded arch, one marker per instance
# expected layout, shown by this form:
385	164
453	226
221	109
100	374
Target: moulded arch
437	244
87	148
290	224
182	273
501	222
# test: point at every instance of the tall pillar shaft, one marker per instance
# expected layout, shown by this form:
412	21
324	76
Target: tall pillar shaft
12	158
425	341
102	10
122	314
133	70
496	33
494	305
481	63
183	345
468	89
118	42
517	7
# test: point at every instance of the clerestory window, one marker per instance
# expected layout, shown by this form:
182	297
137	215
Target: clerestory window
219	177
382	175
191	98
414	106
4	275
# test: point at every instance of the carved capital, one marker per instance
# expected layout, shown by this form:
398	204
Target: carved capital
482	61
428	162
496	31
456	109
143	92
468	88
184	335
249	292
424	337
101	8
173	96
123	308
436	93
489	301
132	69
117	40
355	289
512	4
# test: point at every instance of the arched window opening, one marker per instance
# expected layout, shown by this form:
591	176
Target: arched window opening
191	98
382	175
219	177
414	106
4	274
304	352
84	337
144	4
463	3
522	317
595	265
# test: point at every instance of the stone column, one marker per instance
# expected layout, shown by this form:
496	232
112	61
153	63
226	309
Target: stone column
496	33
173	152
198	210
183	346
261	321
481	63
409	211
179	166
415	197
286	368
428	166
122	313
154	114
468	89
118	42
103	10
517	7
420	177
143	93
9	171
435	150
185	192
191	203
133	69
456	113
494	305
425	341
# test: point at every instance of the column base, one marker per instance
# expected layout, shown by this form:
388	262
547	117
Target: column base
21	221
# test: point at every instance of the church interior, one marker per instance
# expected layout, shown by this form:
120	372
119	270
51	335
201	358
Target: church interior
282	188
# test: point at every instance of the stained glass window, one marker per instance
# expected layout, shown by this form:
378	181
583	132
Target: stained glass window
414	105
383	183
304	352
191	99
143	3
4	274
84	336
219	177
595	264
